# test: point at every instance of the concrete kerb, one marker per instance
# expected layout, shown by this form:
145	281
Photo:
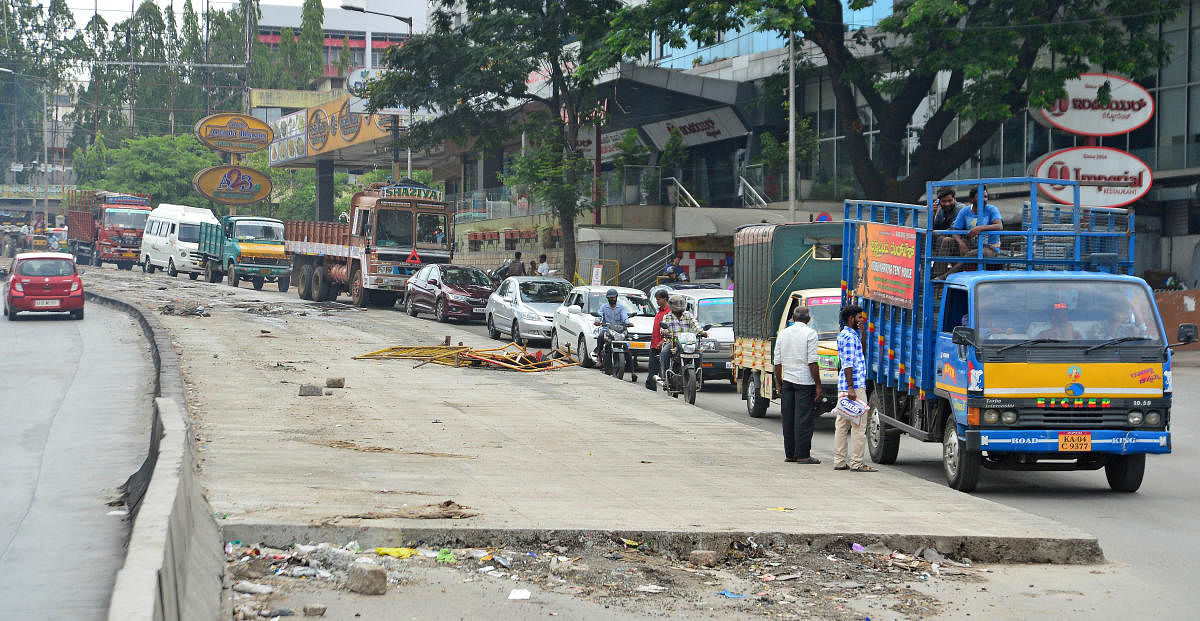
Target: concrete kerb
173	565
677	543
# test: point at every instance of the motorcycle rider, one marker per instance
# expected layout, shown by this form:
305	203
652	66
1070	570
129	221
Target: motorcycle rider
611	315
673	323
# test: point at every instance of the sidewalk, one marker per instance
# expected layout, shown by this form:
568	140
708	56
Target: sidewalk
563	451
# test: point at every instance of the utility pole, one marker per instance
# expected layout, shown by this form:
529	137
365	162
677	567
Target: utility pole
207	71
791	126
247	5
45	161
129	51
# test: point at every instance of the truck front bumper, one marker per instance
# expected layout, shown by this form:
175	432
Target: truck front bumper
272	271
1115	441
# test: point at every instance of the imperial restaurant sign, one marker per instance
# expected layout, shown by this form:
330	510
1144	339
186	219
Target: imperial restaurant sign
699	128
1081	112
1130	177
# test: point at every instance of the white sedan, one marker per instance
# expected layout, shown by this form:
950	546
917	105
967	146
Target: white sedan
575	320
523	307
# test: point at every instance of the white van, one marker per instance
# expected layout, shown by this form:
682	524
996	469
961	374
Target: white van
172	238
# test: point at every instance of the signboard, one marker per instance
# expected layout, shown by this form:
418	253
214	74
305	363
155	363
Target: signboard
409	191
232	185
33	191
335	125
1081	112
291	138
699	128
884	259
597	274
1131	176
233	133
609	142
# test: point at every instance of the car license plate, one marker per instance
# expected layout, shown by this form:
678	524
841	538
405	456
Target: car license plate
477	310
639	345
50	303
689	355
1074	441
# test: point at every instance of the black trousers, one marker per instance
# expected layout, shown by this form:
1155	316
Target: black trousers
652	363
797	419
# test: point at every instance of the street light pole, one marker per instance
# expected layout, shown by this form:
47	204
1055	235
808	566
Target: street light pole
791	126
360	6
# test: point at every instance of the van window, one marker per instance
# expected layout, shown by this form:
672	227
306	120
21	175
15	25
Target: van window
172	230
189	233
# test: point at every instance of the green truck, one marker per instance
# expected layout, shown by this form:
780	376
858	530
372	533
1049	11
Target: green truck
245	248
778	267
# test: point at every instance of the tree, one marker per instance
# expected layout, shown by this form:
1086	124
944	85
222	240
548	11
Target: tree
477	77
993	56
162	166
311	42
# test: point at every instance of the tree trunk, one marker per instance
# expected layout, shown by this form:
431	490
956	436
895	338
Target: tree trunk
566	219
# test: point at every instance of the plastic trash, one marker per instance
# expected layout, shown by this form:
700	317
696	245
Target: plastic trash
486	568
446	556
650	588
253	588
858	548
503	561
306	572
730	595
353	547
396	552
519	594
629	543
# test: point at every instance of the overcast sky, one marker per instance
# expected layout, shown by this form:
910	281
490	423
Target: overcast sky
117	10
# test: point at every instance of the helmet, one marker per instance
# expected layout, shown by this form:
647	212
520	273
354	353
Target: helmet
611	293
676	302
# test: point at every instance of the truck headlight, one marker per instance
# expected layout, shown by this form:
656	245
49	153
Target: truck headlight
991	417
1135	417
708	345
828	362
1009	417
1153	418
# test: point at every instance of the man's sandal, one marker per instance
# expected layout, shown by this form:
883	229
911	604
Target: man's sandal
864	468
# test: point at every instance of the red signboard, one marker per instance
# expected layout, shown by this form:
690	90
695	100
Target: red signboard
884	262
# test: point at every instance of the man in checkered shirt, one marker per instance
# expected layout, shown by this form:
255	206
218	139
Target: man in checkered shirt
851	383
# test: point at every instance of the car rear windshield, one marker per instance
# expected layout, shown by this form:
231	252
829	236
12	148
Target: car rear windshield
718	311
544	291
46	267
189	233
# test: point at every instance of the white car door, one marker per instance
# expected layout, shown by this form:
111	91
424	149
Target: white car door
504	311
563	320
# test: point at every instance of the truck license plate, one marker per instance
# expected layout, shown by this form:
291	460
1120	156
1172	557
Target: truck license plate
728	365
264	272
1074	441
50	303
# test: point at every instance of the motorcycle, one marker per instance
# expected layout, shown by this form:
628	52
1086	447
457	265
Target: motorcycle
615	358
685	373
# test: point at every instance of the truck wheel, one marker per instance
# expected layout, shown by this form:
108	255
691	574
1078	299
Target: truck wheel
1125	472
171	271
882	441
193	275
257	282
304	287
321	288
97	260
233	275
756	405
283	282
358	293
961	466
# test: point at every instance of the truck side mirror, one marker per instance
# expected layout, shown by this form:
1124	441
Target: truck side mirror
1188	333
962	335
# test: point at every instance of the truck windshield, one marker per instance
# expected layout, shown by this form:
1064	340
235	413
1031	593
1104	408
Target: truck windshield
189	233
1089	310
126	218
718	312
824	316
394	228
258	230
431	231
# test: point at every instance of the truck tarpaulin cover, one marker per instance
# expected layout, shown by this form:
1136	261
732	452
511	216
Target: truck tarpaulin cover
886	258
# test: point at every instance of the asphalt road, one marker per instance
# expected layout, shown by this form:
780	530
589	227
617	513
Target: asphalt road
74	399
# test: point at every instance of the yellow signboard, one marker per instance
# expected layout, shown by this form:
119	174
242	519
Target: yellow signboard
233	133
332	126
232	185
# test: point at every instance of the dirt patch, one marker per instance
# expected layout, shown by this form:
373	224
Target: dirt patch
445	510
343	444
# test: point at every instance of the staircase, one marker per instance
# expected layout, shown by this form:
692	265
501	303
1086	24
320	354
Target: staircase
641	275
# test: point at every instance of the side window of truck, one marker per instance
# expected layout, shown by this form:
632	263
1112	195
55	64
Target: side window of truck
954	308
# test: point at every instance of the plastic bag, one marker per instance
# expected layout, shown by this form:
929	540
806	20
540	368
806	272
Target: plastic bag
852	410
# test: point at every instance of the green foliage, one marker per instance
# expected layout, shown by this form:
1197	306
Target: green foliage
477	76
545	173
775	152
991	57
630	151
674	155
162	166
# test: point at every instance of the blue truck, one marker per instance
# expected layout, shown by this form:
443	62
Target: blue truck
1046	355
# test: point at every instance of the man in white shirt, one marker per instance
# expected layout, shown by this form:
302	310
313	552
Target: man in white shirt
543	267
797	377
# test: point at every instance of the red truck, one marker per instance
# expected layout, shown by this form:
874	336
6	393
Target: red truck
393	232
106	226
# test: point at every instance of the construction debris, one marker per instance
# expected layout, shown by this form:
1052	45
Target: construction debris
512	357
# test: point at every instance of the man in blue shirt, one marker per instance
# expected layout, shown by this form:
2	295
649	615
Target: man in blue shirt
611	315
975	221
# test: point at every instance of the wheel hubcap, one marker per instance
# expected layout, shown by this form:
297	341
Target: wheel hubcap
950	451
873	428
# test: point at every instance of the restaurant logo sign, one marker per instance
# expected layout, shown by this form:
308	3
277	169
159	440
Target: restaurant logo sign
1080	112
232	185
1126	177
233	133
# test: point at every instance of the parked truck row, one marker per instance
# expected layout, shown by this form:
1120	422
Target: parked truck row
106	227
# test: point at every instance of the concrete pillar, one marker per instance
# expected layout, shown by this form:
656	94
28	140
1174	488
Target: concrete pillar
325	191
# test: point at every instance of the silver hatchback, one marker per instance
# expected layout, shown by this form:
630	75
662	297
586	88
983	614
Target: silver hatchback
523	307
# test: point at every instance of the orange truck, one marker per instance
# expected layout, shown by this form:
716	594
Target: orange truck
106	226
393	231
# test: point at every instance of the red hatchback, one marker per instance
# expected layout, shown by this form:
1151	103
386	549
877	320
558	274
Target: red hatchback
43	282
